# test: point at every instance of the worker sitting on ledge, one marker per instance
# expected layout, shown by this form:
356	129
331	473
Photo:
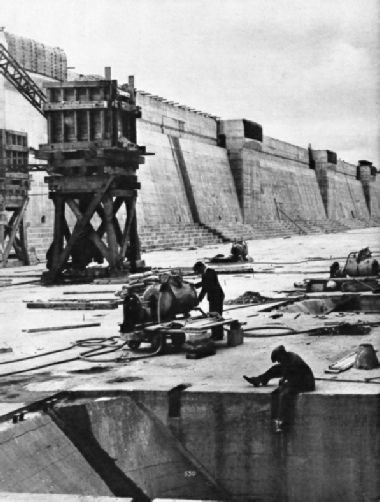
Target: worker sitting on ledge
295	376
215	295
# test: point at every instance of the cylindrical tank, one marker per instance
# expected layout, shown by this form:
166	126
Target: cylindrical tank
172	297
176	297
361	264
369	266
351	267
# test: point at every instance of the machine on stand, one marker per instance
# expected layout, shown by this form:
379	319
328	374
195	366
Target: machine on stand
162	313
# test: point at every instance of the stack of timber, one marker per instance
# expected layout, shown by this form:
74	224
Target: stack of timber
92	162
14	188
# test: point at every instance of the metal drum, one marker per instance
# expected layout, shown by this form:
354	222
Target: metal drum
176	297
367	267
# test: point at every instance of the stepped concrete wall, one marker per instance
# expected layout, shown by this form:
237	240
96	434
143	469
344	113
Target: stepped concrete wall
162	198
189	178
375	197
275	178
342	192
211	181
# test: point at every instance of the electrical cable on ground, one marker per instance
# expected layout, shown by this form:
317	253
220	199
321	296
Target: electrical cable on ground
100	346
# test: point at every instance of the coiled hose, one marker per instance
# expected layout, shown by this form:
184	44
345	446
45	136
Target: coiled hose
97	346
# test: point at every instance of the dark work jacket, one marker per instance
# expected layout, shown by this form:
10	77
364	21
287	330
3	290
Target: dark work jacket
297	373
210	286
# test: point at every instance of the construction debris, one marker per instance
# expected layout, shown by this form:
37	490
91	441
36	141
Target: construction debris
343	364
251	297
346	284
363	358
344	328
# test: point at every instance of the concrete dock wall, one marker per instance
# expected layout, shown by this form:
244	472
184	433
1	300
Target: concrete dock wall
162	198
280	187
189	177
206	170
37	457
331	452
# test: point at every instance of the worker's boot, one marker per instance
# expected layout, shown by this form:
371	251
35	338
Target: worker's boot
256	381
279	424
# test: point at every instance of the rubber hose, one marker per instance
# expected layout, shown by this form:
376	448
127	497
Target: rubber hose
98	344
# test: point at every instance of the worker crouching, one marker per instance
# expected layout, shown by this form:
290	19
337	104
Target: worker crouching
210	285
295	376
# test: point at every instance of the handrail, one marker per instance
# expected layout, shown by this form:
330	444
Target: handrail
289	218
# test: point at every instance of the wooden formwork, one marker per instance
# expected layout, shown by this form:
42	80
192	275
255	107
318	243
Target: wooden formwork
14	199
14	188
92	162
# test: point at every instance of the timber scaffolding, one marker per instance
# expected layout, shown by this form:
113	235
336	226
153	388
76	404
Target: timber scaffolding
92	162
14	188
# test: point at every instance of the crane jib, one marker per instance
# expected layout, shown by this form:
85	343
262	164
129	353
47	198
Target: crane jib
20	79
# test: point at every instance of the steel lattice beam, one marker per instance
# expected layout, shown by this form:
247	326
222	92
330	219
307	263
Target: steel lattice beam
18	77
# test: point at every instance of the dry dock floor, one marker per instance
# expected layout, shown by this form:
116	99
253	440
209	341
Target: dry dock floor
278	264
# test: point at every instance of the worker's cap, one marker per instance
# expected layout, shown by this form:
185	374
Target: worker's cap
277	353
199	265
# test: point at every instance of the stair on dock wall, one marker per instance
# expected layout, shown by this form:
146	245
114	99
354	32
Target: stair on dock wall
167	236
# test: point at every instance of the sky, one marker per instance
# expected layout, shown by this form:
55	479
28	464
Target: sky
306	70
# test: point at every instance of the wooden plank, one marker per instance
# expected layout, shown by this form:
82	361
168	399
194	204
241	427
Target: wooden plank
343	364
66	230
73	146
81	83
130	207
18	247
110	229
90	183
2	238
127	194
118	232
18	176
100	245
58	242
60	328
75	105
208	325
80	305
134	241
102	227
109	165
